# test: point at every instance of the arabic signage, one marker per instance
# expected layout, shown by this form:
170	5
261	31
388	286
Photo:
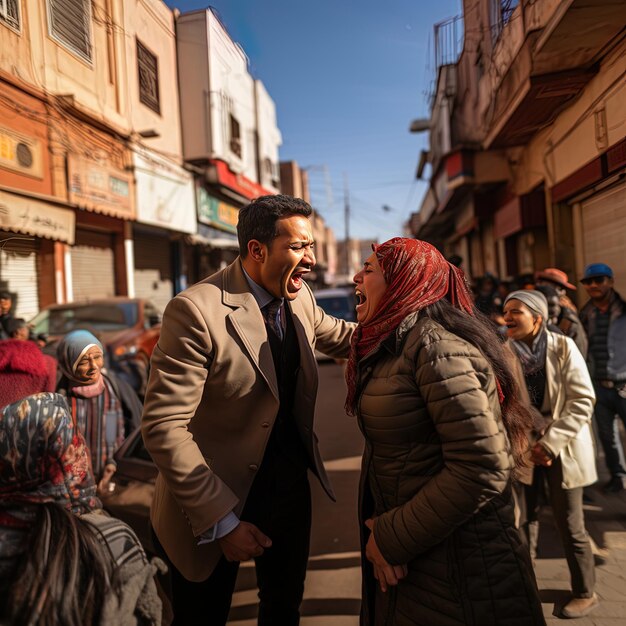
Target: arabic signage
164	192
34	217
216	213
20	153
97	187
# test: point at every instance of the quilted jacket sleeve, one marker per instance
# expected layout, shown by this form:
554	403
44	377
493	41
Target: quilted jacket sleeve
461	399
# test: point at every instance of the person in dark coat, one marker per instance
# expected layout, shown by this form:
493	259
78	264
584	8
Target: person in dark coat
568	320
6	302
604	319
429	383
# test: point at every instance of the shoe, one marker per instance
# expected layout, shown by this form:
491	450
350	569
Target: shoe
579	607
614	485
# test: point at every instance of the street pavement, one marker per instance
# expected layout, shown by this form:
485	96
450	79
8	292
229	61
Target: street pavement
333	586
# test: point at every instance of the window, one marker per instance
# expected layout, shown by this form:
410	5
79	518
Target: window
69	23
148	71
235	136
10	13
271	172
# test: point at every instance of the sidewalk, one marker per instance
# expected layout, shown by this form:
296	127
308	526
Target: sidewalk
605	517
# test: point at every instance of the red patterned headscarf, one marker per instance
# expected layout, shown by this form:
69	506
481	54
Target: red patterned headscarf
417	275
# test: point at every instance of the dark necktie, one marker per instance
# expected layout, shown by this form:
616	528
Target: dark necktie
270	313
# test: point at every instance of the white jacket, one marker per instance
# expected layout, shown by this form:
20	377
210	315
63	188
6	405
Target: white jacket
571	397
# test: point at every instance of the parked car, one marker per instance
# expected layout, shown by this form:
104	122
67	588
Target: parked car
339	302
127	327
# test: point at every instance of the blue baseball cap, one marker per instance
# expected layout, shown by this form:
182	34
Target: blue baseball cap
597	269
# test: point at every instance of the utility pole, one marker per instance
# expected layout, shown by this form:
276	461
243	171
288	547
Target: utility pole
346	216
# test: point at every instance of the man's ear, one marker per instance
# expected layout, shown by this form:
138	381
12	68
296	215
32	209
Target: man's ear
256	250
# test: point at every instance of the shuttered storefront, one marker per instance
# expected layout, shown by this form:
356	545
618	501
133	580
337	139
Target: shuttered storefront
93	265
604	231
154	279
18	274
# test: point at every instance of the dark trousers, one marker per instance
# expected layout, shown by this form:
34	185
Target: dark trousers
282	510
567	509
609	404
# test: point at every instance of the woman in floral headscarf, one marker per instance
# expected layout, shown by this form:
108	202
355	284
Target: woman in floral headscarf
428	380
62	559
104	407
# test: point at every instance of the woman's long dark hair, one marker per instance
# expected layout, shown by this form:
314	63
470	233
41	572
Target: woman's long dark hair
479	331
64	576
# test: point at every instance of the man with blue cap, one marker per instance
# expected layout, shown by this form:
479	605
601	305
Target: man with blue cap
604	319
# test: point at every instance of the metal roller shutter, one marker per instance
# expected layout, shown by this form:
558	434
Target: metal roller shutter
153	269
93	265
18	275
604	231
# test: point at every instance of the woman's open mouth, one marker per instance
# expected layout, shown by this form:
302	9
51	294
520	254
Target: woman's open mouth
360	299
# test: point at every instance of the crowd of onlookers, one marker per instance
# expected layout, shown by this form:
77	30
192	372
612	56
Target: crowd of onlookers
599	331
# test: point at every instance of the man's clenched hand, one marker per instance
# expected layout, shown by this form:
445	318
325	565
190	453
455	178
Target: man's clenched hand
245	542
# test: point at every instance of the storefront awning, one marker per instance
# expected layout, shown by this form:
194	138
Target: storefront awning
36	217
214	242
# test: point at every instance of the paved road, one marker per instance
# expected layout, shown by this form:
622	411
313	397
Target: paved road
332	593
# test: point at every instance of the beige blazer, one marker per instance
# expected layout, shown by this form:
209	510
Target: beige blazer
571	396
211	402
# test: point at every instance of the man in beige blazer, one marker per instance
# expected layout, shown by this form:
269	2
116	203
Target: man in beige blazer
228	420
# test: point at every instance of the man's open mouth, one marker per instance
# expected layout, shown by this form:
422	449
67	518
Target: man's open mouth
297	277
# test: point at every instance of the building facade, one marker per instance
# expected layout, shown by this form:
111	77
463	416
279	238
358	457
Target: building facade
295	182
230	133
527	128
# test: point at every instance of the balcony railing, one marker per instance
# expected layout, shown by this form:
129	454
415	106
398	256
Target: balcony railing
448	41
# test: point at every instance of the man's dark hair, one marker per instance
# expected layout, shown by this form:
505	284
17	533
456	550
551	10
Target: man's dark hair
258	219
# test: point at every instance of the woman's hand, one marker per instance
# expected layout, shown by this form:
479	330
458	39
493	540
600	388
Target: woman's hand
384	573
104	486
540	456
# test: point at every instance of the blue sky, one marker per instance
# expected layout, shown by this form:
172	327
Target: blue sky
347	78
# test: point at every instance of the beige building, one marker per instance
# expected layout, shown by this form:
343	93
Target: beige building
351	258
104	73
295	182
230	132
165	201
527	138
63	56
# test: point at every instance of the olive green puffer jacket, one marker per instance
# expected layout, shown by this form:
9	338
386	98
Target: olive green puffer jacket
436	475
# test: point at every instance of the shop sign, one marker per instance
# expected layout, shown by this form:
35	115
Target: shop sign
164	193
34	217
216	213
97	187
20	153
238	182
